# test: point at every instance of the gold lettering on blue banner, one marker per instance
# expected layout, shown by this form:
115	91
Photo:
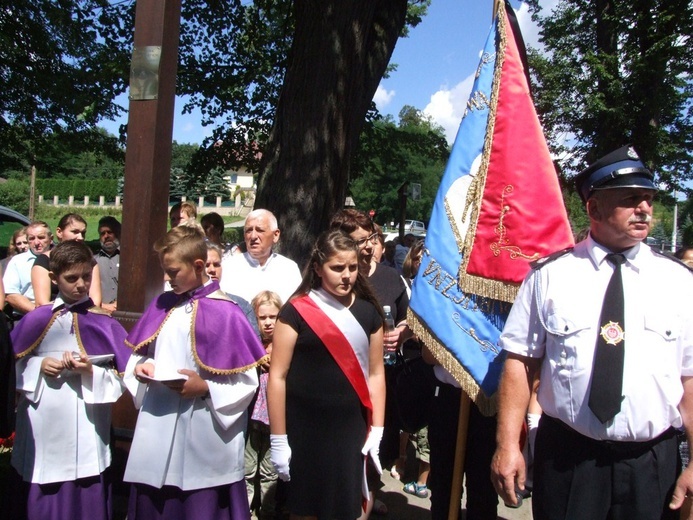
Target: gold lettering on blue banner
446	285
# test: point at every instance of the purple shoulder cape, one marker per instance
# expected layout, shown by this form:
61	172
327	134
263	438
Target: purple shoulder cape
97	332
223	340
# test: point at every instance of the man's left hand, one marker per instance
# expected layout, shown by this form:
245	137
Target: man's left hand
683	491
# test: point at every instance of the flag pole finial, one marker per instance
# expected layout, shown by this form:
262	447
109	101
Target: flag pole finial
496	5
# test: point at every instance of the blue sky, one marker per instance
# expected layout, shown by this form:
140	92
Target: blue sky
436	64
435	67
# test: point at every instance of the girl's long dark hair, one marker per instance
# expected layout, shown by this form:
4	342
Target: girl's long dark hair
326	246
70	217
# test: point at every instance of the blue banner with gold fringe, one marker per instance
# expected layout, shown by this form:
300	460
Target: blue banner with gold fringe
498	204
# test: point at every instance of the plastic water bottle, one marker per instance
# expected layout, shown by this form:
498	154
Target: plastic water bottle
389	358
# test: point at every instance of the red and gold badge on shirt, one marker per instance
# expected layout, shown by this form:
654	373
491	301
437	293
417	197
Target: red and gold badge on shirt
612	333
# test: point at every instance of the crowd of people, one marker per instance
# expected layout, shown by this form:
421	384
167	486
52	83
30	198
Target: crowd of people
270	390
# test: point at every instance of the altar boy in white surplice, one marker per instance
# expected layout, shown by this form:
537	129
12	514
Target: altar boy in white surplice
68	356
192	375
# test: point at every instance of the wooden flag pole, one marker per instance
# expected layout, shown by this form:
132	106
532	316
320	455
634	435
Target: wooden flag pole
460	450
462	421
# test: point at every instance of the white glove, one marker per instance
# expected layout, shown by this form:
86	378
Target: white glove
372	446
280	455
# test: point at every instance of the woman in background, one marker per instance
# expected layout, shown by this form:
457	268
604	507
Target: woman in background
71	227
19	243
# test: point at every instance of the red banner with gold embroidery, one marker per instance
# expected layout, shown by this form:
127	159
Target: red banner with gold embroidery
519	213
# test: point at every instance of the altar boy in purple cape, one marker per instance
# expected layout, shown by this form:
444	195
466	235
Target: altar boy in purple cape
192	376
68	357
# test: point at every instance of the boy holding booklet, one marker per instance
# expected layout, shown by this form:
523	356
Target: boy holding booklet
192	376
66	353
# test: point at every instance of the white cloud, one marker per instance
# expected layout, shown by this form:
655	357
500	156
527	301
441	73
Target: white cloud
383	97
447	106
530	31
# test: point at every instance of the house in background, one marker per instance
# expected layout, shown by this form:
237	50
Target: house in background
240	178
241	183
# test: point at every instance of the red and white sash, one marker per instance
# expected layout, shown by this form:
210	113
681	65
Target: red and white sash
343	337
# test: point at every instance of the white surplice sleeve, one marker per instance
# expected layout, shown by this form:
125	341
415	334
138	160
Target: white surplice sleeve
230	396
29	377
136	389
103	385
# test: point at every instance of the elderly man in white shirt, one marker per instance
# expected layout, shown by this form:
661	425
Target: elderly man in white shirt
17	278
260	268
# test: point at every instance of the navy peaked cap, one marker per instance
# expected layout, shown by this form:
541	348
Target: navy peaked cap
621	168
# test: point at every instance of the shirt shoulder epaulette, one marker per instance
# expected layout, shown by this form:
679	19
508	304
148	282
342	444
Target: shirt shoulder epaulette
661	254
538	264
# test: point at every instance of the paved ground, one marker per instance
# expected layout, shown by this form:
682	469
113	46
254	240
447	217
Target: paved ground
402	506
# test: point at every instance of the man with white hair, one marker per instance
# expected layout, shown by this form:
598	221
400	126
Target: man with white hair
260	268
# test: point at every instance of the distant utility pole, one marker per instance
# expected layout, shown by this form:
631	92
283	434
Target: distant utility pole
402	192
674	233
32	193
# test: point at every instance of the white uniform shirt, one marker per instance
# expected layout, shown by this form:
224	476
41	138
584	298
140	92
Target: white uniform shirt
17	277
63	423
188	443
556	314
245	277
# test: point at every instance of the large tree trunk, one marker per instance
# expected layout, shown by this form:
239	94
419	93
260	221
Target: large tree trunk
611	133
340	51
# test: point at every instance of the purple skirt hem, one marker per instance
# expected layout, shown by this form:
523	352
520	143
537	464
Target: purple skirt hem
227	502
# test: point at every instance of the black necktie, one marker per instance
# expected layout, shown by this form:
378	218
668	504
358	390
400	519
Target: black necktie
607	369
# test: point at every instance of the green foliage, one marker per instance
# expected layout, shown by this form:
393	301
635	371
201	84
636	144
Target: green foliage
235	76
216	184
663	219
63	64
182	155
15	194
615	72
390	155
178	184
89	154
189	182
577	215
232	235
685	220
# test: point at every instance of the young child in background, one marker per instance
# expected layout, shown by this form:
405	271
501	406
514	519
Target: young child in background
259	471
192	376
66	382
181	213
214	270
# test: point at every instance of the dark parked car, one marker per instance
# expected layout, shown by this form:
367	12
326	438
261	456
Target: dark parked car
10	221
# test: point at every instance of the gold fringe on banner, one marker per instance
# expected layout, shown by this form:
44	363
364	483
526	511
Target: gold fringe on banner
473	284
487	288
487	405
